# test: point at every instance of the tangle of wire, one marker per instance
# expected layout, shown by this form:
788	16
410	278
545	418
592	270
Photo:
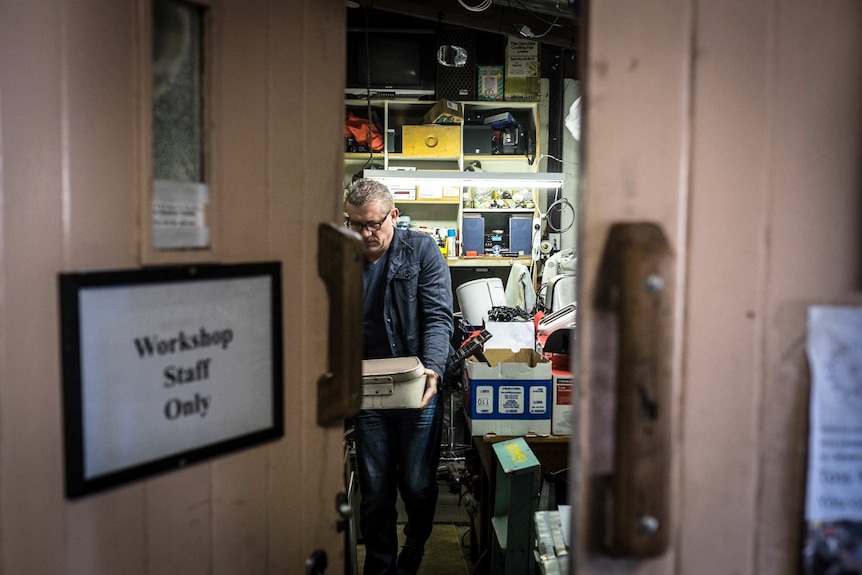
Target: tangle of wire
481	7
560	204
536	15
525	31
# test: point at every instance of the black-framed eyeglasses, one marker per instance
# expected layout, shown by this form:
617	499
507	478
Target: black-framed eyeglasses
370	226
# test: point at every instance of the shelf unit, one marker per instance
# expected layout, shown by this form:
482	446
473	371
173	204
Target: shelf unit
454	203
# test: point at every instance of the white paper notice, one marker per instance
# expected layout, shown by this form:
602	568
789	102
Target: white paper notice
833	506
171	368
835	444
179	216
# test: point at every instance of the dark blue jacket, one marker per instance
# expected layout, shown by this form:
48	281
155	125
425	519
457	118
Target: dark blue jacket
417	303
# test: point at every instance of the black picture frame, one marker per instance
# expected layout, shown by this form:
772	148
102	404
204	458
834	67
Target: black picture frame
113	433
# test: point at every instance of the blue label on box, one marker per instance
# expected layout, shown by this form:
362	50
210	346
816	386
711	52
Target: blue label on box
508	399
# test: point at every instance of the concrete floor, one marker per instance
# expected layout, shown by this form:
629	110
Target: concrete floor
447	552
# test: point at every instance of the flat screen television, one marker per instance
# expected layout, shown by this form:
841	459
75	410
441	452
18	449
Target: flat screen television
389	62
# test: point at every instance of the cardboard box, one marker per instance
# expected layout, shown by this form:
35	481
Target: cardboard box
522	70
431	141
490	83
445	112
511	335
511	396
563	412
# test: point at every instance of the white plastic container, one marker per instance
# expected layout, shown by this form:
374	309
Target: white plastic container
451	247
477	297
392	383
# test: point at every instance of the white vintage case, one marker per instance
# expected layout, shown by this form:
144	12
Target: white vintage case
392	383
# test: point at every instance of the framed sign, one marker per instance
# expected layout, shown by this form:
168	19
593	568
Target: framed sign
167	366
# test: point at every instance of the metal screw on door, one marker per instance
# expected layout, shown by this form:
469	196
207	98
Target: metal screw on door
316	563
648	524
654	283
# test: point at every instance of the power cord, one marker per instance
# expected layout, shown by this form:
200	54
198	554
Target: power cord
561	205
481	7
525	31
504	313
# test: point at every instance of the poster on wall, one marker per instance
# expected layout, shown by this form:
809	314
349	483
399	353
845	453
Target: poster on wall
167	366
833	504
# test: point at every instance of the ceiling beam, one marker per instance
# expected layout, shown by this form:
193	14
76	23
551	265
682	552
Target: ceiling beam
496	19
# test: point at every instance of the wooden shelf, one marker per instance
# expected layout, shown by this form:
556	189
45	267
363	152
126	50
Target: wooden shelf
430	201
448	212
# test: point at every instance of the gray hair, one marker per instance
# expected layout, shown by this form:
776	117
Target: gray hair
363	192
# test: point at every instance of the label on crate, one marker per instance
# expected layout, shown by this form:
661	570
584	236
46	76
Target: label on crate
511	399
564	391
538	400
484	399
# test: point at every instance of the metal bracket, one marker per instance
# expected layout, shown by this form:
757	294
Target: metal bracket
379	388
339	264
636	284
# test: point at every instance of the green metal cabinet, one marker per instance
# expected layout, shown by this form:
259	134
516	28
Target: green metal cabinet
516	499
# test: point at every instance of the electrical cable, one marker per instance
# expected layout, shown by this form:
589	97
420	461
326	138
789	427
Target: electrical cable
370	161
527	33
560	204
481	7
507	314
556	159
476	566
536	15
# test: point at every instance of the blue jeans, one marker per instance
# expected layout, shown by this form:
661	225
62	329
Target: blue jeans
396	449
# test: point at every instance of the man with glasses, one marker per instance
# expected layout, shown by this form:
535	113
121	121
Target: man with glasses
408	312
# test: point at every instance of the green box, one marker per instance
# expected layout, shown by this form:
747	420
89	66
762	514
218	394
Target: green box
490	83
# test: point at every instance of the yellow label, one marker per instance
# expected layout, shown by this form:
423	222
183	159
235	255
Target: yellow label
518	456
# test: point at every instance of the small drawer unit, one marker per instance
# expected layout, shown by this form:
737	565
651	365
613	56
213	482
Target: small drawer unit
431	141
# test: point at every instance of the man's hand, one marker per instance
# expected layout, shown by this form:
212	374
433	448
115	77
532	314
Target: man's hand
430	387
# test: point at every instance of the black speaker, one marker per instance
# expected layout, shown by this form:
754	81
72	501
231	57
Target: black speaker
473	234
457	83
521	234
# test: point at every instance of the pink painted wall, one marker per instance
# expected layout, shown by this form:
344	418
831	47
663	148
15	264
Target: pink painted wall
71	187
738	127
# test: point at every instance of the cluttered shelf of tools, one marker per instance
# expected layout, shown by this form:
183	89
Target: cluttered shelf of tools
499	136
472	261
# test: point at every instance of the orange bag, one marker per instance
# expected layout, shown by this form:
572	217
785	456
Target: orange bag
358	128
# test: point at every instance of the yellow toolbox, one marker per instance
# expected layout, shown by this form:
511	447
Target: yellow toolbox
431	141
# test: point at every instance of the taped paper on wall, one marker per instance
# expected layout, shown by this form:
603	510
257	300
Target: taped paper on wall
833	505
179	216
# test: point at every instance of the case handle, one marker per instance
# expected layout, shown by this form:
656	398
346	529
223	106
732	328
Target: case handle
635	282
339	264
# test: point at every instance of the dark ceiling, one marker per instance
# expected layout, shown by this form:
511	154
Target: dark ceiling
551	22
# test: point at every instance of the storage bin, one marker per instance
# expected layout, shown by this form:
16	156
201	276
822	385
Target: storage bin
392	383
477	297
